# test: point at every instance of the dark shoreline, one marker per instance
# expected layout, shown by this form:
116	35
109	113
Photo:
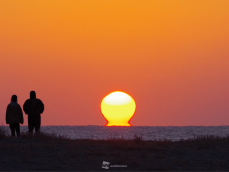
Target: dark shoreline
46	152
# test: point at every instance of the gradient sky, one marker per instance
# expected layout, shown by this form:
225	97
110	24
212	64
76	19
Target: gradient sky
171	56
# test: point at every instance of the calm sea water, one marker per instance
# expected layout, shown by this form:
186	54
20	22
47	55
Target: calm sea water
147	132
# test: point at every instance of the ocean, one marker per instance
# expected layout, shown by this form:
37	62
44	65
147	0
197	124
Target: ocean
172	133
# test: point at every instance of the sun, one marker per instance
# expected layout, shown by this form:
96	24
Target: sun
118	108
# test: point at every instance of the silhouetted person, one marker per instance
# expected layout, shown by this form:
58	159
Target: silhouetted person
14	116
33	107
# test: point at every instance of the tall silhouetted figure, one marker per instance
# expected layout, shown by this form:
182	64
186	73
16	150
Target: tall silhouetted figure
33	107
14	116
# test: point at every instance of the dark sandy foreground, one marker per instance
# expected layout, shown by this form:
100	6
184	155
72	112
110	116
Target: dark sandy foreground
48	152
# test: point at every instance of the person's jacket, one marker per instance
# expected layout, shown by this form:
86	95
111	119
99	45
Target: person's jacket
33	108
14	114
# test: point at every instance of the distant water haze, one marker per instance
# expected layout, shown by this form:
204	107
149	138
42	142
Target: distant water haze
173	133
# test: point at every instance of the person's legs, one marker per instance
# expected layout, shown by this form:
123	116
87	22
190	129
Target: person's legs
37	127
12	128
31	127
17	128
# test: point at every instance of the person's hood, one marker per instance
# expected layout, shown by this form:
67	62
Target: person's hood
13	103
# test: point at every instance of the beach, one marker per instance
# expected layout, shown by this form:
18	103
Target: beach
47	152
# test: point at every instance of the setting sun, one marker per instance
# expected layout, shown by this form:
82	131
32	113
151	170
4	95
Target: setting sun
118	108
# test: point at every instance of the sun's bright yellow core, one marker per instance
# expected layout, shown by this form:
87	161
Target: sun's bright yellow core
118	108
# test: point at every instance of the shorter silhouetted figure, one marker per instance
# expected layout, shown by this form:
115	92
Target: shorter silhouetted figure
33	107
14	116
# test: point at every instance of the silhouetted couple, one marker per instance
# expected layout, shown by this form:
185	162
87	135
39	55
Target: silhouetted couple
33	107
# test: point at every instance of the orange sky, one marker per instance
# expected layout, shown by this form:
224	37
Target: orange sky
172	57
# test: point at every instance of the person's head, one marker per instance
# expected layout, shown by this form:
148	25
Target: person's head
14	98
32	94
